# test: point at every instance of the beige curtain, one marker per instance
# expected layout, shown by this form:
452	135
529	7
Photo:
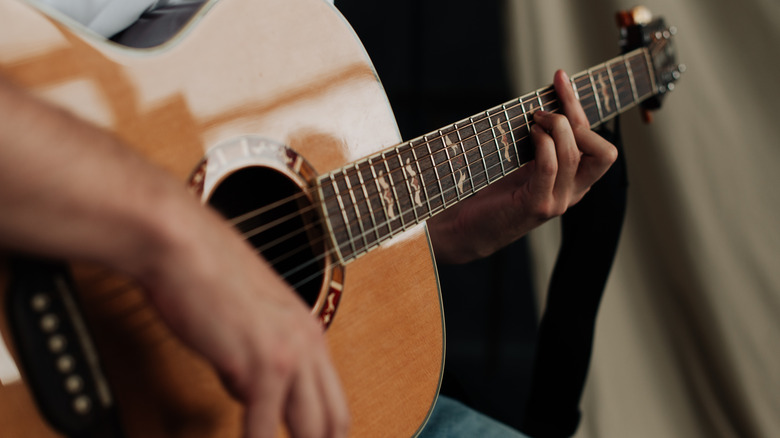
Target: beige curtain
688	339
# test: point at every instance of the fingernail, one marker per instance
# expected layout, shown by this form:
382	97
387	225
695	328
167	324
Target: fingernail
541	113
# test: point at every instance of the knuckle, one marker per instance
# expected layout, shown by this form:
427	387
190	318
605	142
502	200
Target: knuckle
571	158
559	122
549	209
611	155
282	361
340	425
547	168
232	372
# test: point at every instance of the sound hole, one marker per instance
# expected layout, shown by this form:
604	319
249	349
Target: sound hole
277	218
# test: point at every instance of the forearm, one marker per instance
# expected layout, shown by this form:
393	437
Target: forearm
68	189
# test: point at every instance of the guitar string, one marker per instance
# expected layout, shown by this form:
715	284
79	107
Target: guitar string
519	102
528	98
363	235
473	121
369	199
615	98
365	247
643	72
247	217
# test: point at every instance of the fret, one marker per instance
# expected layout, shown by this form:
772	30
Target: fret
421	181
645	85
386	195
350	239
358	204
447	146
367	197
521	134
600	91
511	133
650	73
487	145
465	163
375	199
474	155
623	85
608	98
549	99
530	103
333	217
411	181
574	88
500	141
427	172
481	154
595	96
631	79
615	95
539	99
440	156
421	175
394	176
370	201
588	100
525	116
436	178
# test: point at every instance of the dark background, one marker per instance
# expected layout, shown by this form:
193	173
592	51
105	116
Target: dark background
441	61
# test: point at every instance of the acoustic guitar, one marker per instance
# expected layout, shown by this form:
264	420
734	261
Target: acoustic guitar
271	112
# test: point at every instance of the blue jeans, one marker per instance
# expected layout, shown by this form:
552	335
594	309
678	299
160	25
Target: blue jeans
452	419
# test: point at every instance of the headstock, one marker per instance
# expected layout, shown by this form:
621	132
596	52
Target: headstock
638	28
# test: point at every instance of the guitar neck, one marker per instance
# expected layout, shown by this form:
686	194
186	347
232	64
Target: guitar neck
371	200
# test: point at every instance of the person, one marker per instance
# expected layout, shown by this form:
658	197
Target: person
258	334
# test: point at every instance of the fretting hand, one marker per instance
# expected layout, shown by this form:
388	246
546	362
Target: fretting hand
569	158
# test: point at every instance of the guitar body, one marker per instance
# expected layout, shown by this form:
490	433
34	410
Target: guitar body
293	73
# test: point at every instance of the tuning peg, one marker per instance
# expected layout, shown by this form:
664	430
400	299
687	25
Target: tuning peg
638	15
641	15
678	71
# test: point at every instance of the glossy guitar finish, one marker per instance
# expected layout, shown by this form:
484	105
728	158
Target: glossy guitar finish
293	73
286	86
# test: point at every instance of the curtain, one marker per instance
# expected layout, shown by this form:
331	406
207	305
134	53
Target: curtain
688	338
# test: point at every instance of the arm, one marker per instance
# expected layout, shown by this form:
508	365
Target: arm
569	159
258	334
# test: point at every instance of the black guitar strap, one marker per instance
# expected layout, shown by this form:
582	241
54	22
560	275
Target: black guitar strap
590	233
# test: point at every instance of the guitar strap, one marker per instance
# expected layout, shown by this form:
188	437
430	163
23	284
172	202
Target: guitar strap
159	24
590	233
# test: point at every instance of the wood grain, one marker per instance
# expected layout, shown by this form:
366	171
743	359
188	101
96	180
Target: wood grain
293	72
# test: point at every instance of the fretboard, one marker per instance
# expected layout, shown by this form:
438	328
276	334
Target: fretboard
371	200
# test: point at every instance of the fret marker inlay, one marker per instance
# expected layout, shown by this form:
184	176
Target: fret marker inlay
461	174
415	183
387	195
504	139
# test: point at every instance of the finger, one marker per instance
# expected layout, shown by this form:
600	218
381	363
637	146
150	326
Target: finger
598	156
305	411
335	399
566	152
597	153
545	164
262	413
569	102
